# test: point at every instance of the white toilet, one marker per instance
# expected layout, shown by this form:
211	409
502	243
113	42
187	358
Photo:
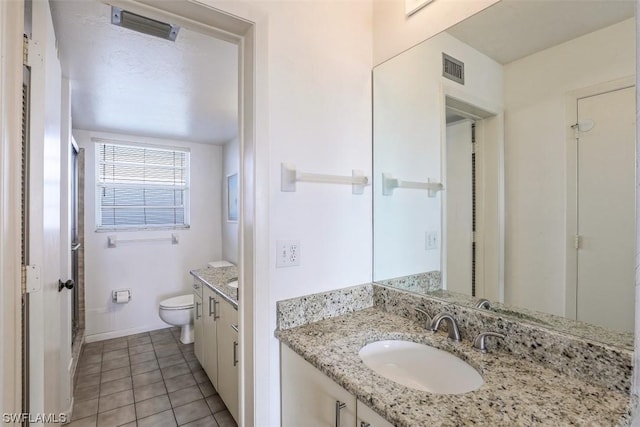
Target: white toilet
178	311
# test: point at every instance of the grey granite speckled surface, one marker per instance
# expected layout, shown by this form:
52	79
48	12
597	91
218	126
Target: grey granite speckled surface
217	279
302	310
575	356
558	323
516	392
423	282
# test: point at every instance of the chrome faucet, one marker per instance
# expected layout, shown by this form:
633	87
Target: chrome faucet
452	325
484	303
427	324
479	343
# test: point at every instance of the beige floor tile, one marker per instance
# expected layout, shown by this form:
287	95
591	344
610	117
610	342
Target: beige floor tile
207	389
115	374
146	378
149	391
142	348
175	370
115	400
85	408
117	417
224	419
191	411
203	422
141	368
86	393
120	362
163	419
142	357
171	360
184	396
215	403
179	382
152	406
115	386
84	422
115	354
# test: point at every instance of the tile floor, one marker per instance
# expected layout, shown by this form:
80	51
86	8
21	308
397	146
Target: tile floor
149	379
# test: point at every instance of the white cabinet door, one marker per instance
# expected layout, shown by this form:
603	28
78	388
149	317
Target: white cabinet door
198	337
228	357
310	398
211	315
367	417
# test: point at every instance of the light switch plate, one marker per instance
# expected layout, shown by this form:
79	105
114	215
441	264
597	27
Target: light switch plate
431	240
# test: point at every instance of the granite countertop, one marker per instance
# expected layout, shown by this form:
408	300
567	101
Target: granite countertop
216	278
515	391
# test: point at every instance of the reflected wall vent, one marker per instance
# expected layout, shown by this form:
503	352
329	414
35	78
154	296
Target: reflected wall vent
142	24
452	68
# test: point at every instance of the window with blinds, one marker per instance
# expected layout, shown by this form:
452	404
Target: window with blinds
141	187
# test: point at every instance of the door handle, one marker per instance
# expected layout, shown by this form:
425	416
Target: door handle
68	284
75	246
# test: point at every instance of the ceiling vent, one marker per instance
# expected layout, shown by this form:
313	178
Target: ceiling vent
142	24
452	69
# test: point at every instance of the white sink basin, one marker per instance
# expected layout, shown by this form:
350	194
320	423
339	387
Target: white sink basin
421	367
233	284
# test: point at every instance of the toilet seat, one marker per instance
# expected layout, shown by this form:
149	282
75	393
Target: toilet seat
177	303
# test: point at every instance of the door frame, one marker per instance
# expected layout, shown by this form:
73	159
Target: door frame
247	28
11	30
571	210
490	207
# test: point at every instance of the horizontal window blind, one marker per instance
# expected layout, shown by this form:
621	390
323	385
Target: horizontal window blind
141	186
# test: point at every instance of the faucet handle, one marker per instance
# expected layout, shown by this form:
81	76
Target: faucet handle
452	325
479	342
428	318
484	303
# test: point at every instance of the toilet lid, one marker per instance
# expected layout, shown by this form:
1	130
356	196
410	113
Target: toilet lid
182	301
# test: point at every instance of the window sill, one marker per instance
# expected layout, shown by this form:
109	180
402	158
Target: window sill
141	228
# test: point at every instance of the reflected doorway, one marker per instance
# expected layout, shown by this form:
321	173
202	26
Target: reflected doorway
464	199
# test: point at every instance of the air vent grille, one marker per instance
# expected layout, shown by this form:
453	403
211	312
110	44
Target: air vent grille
452	69
142	24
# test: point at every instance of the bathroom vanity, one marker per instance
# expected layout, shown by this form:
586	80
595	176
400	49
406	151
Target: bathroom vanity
324	380
216	330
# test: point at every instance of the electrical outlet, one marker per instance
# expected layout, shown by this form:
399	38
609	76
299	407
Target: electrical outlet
287	253
431	240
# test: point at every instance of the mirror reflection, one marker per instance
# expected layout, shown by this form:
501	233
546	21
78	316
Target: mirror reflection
504	163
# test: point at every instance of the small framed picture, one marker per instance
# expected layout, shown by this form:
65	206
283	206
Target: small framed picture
232	197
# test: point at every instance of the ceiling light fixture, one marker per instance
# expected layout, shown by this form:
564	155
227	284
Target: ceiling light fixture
142	24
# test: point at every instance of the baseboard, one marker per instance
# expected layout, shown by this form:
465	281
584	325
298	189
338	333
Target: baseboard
124	332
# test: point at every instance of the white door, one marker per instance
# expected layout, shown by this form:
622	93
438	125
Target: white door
459	209
49	341
606	210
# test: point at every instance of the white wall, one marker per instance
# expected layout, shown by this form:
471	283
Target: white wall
409	132
536	157
313	108
320	120
152	270
394	32
230	166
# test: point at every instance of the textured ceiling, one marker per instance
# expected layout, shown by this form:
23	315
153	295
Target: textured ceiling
131	83
513	29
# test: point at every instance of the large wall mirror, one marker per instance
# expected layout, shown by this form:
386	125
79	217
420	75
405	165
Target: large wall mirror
504	164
